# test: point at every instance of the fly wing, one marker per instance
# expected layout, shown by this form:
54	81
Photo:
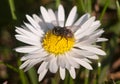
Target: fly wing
73	28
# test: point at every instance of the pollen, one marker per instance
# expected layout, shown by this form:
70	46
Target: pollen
57	44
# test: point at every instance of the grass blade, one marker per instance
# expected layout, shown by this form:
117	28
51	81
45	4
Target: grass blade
12	9
23	77
104	9
33	76
57	3
118	9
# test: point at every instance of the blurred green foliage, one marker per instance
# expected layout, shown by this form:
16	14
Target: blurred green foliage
12	13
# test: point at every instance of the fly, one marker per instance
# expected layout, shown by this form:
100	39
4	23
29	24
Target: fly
62	31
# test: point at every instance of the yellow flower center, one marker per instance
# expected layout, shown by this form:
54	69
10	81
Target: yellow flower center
57	44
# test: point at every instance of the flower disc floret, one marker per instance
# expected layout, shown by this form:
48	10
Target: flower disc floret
57	44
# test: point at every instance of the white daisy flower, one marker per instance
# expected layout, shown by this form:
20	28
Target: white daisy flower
59	44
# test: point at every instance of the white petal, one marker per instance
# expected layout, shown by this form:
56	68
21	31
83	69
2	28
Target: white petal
93	49
101	39
42	24
32	29
86	60
53	66
19	31
29	57
42	74
92	57
53	17
82	19
82	52
90	40
27	49
61	16
24	64
62	73
39	51
72	62
83	63
32	63
76	55
97	32
67	64
27	33
46	17
35	24
42	67
73	28
84	27
49	58
92	28
72	72
61	61
35	55
37	18
31	41
71	16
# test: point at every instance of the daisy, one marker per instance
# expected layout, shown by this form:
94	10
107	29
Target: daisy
59	44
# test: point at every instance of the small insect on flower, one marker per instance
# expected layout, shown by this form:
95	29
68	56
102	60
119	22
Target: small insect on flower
56	44
62	31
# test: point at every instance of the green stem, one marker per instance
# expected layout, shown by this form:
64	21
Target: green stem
66	81
88	6
10	66
57	3
12	9
81	5
104	9
33	76
22	75
98	72
99	69
86	76
118	9
71	81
